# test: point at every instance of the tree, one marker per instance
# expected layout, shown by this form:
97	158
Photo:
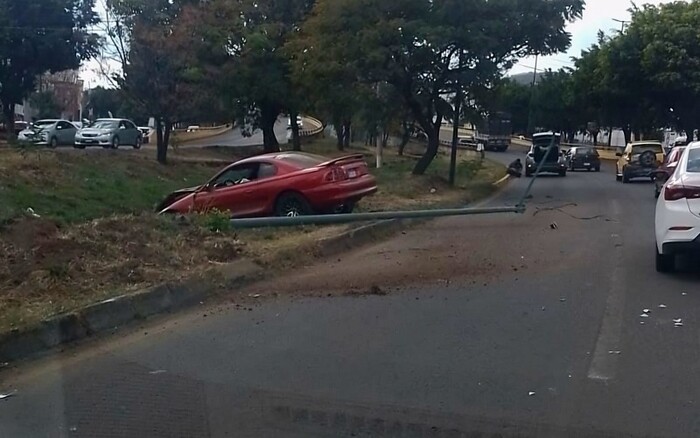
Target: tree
244	45
159	76
513	98
36	37
45	105
413	45
666	43
554	105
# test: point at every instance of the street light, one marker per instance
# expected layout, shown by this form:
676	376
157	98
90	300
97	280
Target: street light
623	23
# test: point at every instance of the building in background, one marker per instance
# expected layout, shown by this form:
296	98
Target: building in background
67	90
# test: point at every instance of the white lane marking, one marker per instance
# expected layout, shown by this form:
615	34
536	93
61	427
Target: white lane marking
603	365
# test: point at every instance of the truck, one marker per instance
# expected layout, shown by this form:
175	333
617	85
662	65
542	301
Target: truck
494	132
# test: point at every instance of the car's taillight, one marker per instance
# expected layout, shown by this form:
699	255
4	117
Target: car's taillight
674	192
336	174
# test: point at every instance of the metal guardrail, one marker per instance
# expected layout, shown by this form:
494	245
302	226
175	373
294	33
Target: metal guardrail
332	219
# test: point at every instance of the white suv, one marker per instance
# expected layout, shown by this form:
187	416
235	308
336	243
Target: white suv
678	211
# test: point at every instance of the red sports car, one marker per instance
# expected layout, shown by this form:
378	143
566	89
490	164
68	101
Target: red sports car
280	184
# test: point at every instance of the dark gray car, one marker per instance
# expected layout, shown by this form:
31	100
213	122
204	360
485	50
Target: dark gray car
109	133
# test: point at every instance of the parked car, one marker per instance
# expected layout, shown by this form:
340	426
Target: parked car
639	160
50	132
583	157
677	220
109	133
552	162
663	173
280	184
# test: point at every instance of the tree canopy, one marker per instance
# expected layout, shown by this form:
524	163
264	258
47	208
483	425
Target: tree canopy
39	37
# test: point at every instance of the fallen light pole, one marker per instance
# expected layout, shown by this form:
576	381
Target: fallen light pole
331	219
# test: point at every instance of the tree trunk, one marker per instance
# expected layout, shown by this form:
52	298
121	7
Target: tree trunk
296	139
595	138
610	134
346	133
432	148
163	129
8	111
405	138
268	121
628	135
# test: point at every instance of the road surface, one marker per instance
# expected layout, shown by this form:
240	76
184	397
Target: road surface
508	325
235	137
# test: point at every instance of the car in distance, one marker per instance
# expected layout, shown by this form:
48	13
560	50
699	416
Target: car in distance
279	184
538	157
663	173
584	157
109	133
639	160
49	132
677	219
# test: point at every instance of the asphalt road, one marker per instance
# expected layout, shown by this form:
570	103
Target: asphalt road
490	326
235	137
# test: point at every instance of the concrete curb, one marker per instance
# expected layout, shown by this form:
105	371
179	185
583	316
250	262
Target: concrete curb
357	237
111	314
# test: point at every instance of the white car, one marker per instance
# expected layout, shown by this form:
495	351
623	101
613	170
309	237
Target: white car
678	211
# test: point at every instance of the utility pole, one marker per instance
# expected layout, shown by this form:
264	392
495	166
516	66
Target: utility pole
530	118
455	124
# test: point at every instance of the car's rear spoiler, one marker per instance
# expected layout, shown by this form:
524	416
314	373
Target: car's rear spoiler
341	159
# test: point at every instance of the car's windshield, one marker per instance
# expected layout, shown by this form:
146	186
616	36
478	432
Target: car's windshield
586	151
44	123
104	124
641	148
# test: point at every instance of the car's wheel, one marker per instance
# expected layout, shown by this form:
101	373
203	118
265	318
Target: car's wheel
53	143
625	177
139	142
597	169
115	142
657	192
79	146
528	173
665	262
292	204
562	173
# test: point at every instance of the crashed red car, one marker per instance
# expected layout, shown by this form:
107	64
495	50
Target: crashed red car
279	184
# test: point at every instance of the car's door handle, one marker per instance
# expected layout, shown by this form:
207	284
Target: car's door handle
248	192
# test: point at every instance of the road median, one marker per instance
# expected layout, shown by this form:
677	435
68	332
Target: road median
75	266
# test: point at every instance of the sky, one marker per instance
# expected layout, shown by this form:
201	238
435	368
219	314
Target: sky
599	14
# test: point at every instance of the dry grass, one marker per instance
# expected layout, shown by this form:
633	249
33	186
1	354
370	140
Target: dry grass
96	237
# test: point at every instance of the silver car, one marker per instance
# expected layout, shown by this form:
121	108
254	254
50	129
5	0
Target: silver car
51	132
109	133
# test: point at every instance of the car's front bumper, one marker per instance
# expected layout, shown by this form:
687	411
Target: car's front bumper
93	141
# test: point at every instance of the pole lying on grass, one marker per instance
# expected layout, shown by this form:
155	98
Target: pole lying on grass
332	219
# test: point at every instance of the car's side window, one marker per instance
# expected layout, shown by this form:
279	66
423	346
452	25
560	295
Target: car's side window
64	125
129	125
236	175
266	170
